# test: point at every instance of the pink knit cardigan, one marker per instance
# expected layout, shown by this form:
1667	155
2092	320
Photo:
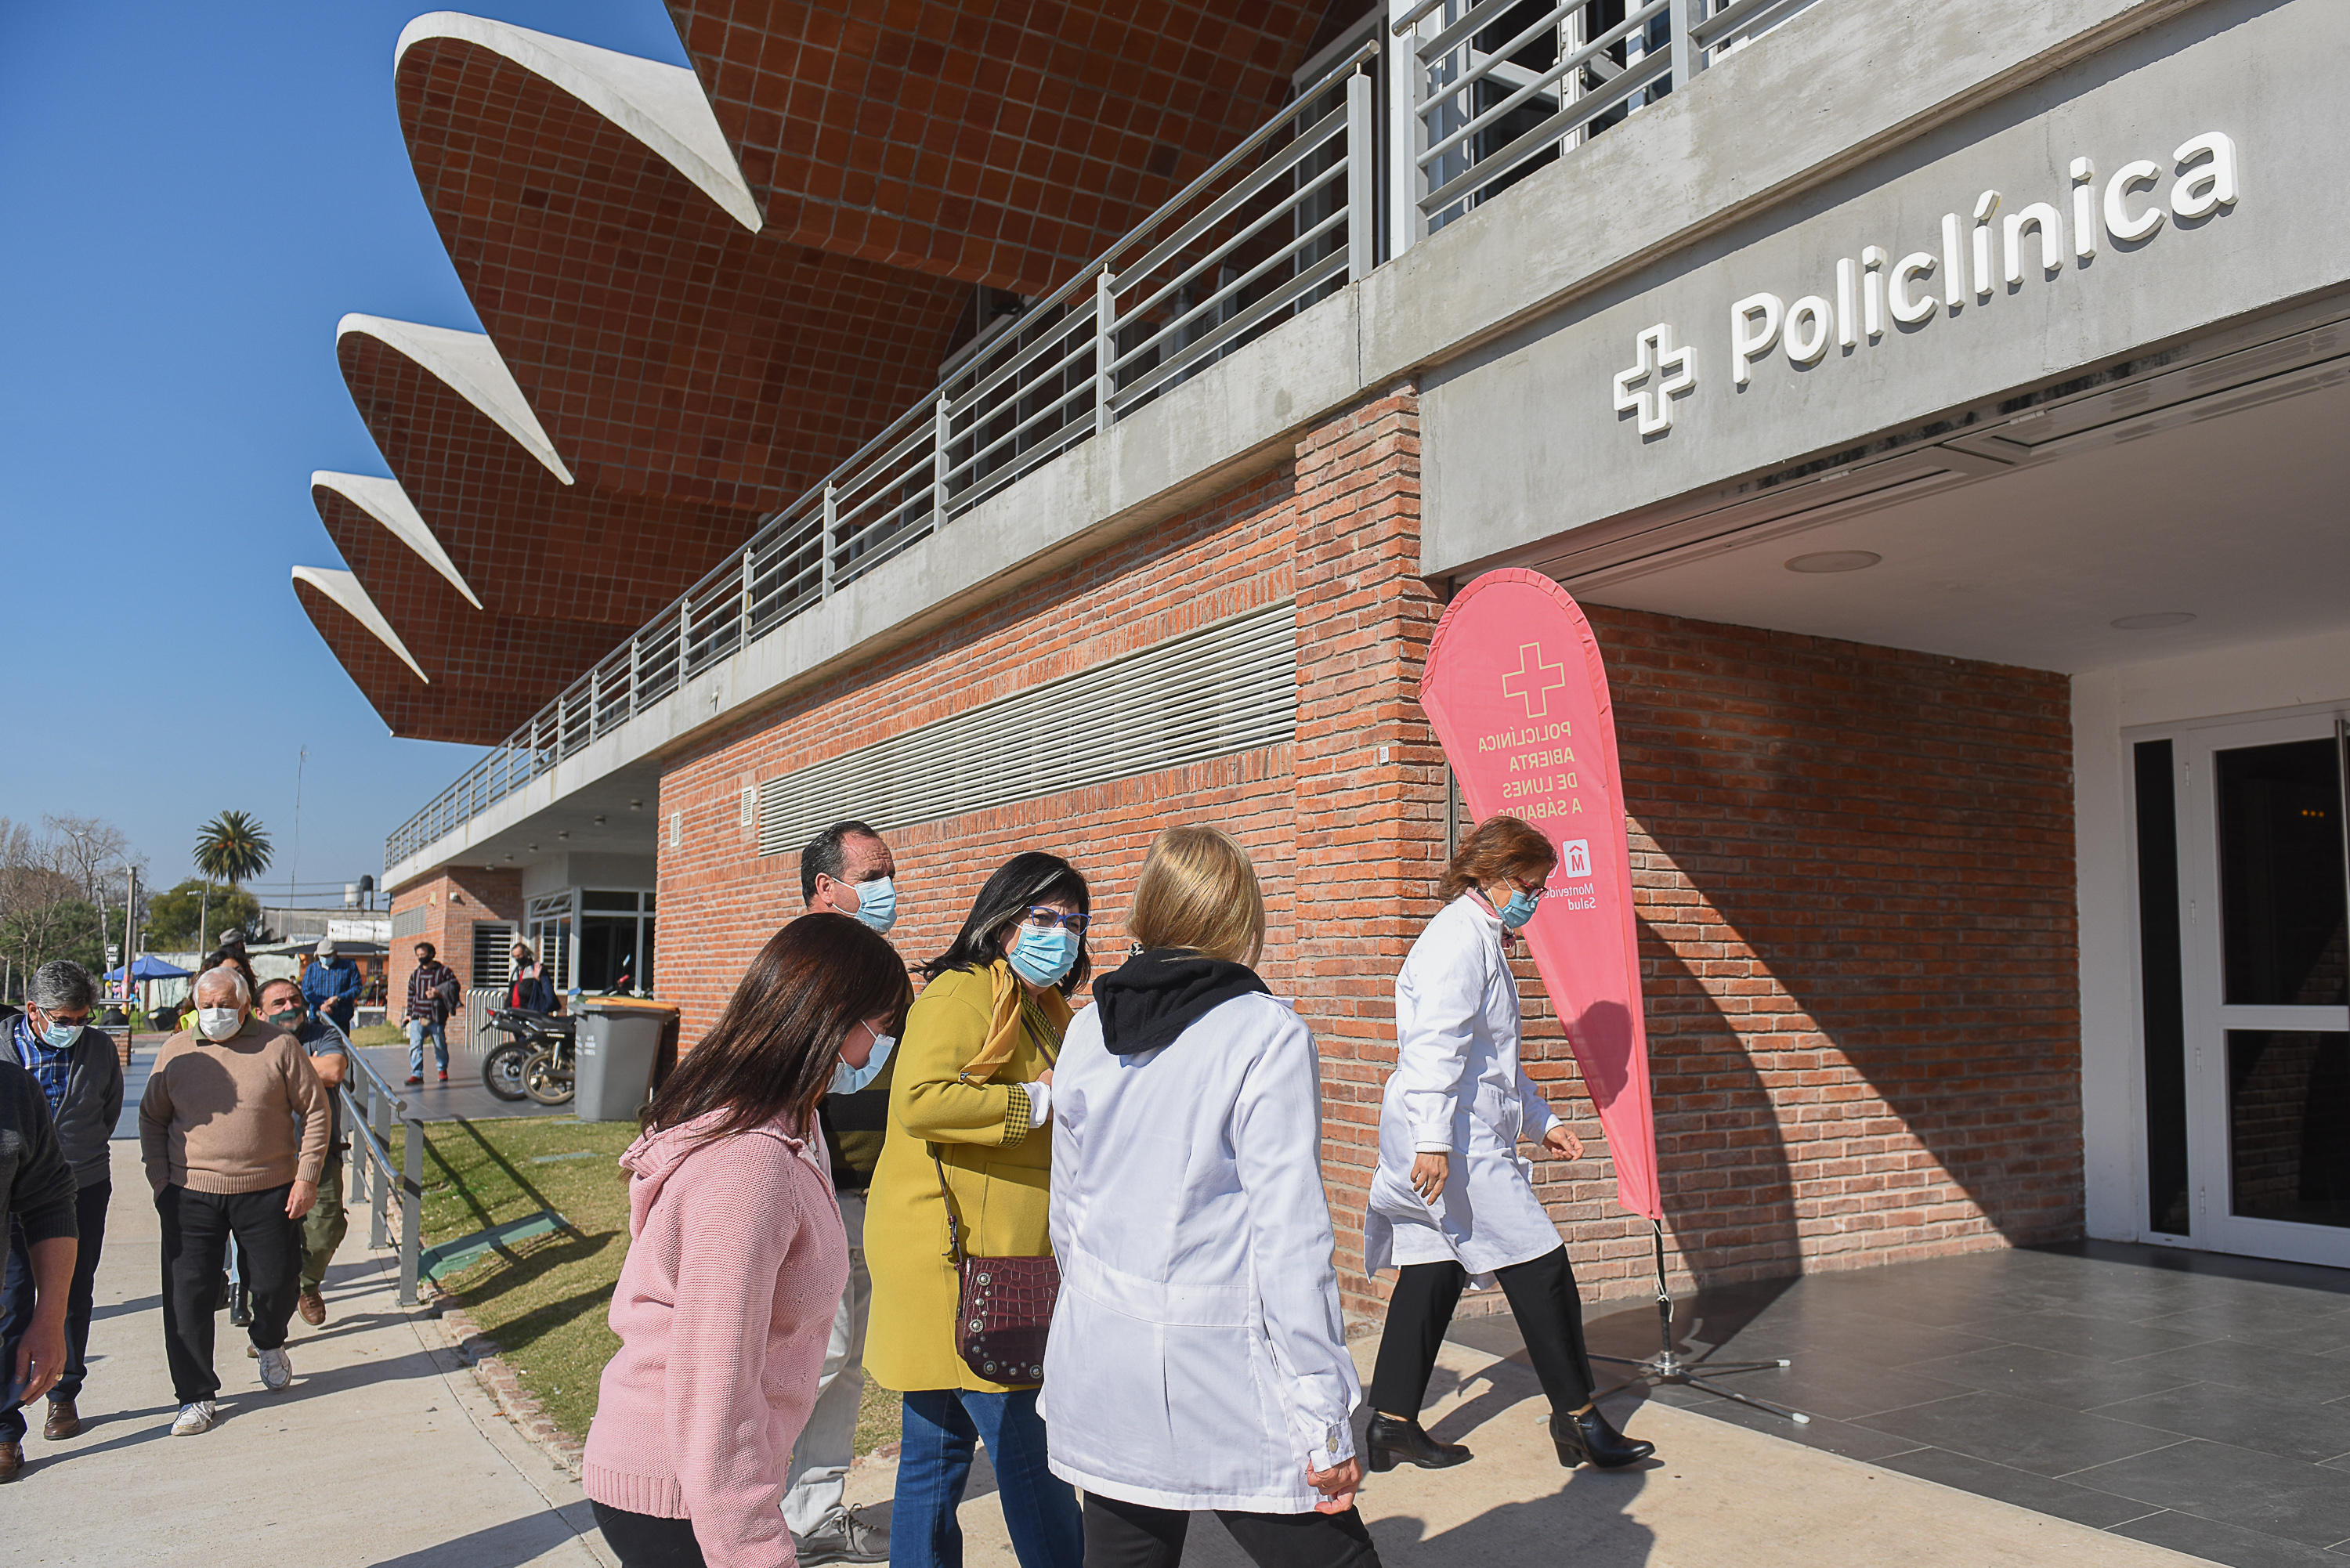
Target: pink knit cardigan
735	1265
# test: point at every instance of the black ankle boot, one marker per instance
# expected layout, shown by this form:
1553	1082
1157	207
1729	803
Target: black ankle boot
1589	1436
1394	1442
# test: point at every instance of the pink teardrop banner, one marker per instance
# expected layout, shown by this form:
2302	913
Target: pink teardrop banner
1518	694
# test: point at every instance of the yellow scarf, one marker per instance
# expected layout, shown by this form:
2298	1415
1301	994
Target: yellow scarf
1011	1012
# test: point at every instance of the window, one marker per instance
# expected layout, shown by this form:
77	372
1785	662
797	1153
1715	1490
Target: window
492	952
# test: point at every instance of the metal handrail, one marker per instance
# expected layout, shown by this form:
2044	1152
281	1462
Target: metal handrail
369	1115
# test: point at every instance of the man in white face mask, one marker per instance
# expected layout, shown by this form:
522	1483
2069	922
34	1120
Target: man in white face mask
846	869
216	1130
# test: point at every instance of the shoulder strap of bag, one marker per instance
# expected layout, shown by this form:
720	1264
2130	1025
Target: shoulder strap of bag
955	1216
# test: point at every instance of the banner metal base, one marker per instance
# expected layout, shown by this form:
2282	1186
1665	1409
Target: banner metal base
1669	1365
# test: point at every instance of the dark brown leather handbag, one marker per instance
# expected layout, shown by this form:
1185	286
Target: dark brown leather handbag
1006	1304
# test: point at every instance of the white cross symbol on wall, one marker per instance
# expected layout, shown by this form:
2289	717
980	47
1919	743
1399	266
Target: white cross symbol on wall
1669	372
1533	681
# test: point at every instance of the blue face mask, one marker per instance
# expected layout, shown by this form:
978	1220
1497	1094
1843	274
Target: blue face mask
1520	908
877	903
57	1036
847	1080
1041	957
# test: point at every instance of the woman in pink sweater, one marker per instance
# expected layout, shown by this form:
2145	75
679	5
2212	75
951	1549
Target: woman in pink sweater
736	1259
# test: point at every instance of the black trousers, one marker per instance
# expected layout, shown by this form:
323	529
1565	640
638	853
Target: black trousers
16	1300
642	1540
1133	1535
1542	1298
196	1229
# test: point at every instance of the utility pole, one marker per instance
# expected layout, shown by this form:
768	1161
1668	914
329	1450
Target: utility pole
294	861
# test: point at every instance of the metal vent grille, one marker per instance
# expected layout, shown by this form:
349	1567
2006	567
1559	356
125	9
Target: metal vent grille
1227	688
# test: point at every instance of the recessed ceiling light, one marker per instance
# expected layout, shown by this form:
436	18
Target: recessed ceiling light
532	847
599	822
1835	561
2154	622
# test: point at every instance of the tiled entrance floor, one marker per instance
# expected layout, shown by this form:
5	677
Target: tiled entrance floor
2198	1402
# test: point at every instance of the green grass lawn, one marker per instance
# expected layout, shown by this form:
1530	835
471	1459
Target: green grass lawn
380	1034
544	1300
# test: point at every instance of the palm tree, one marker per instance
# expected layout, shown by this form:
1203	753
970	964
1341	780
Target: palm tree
232	848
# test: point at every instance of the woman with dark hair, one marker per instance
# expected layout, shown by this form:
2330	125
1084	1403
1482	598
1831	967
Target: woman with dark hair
736	1259
970	1143
1452	1198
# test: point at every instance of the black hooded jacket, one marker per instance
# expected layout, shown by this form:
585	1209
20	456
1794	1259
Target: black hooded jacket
1154	996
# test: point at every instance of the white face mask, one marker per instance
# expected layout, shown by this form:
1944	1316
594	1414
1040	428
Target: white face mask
219	1023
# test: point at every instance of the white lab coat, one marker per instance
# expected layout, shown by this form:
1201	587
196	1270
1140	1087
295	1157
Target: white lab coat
1459	1089
1198	1358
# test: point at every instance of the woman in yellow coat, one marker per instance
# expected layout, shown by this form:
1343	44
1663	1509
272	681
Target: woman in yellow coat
970	1105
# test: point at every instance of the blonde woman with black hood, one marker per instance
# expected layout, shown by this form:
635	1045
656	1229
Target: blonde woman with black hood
1197	1358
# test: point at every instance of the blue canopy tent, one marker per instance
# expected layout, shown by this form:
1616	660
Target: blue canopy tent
147	966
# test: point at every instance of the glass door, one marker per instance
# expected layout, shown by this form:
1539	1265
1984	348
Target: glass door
2265	934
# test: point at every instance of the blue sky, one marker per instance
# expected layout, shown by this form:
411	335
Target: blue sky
192	196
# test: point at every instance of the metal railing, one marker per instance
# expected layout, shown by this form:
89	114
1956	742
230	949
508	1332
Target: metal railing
1496	88
378	1181
1272	228
1501	87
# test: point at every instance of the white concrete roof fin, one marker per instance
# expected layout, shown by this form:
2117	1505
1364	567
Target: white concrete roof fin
345	590
661	106
471	366
388	503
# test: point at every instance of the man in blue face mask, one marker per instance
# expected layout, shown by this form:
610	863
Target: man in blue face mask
846	869
81	1074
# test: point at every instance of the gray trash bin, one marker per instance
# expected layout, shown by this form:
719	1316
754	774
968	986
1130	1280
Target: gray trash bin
620	1043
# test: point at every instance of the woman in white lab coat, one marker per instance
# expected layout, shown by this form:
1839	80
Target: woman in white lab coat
1197	1358
1452	1198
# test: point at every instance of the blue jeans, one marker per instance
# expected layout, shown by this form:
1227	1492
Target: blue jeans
418	1031
16	1303
1040	1510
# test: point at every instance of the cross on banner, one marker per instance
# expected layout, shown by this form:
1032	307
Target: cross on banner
1522	683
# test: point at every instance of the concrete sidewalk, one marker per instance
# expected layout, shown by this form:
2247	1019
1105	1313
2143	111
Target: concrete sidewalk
384	1451
1716	1494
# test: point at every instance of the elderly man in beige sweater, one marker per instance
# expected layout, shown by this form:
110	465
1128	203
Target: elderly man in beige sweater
217	1129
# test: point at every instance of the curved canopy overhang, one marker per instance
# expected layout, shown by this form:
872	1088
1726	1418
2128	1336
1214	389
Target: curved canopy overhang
661	106
667	358
666	346
529	545
997	141
488	670
384	500
342	590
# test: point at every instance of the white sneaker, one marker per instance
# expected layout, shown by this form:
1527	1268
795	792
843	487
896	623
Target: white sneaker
194	1417
277	1369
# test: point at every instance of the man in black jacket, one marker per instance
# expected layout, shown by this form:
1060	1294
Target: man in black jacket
36	1193
80	1077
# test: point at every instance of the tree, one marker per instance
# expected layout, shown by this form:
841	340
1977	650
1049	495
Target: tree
231	846
181	919
60	928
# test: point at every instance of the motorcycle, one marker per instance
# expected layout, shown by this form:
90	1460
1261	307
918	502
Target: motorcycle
535	1064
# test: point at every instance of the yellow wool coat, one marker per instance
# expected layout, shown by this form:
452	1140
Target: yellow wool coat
999	1175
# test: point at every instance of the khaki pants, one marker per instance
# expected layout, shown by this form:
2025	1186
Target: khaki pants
324	1226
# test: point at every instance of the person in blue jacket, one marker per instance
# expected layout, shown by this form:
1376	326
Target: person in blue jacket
331	986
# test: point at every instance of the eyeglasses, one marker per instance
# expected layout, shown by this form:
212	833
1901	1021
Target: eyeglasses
69	1020
1045	919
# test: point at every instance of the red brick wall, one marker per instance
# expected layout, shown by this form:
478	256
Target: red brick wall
721	900
1853	869
452	899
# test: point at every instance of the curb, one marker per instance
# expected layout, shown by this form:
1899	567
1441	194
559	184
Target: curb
501	1382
